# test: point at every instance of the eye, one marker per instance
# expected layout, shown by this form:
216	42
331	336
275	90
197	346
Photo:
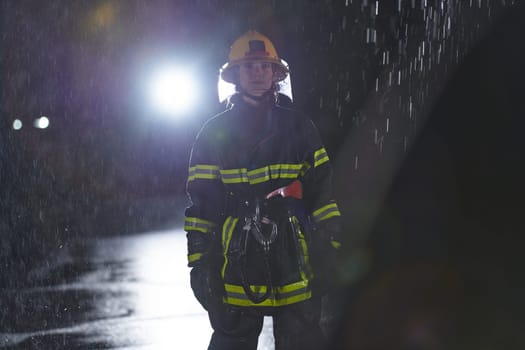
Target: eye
247	65
266	65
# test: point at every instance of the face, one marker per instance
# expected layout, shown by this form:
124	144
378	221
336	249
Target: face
256	77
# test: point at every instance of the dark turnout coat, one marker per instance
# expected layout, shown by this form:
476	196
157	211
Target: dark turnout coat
259	248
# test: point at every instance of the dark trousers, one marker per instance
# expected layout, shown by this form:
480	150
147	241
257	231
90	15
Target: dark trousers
295	326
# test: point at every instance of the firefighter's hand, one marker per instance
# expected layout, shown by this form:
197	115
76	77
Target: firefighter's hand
330	233
206	285
326	245
325	261
200	284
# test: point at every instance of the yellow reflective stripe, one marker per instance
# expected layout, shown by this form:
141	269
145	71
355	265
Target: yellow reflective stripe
326	212
203	172
196	224
194	257
274	171
284	295
280	290
320	157
288	171
305	168
335	244
255	176
268	302
227	229
230	176
304	248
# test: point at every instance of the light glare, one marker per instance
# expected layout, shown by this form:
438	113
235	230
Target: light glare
17	124
172	91
41	123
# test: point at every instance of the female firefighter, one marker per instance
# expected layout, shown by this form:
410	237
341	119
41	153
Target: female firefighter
263	218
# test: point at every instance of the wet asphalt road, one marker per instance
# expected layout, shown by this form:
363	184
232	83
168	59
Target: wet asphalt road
121	293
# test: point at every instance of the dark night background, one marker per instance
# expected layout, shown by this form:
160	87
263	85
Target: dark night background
420	104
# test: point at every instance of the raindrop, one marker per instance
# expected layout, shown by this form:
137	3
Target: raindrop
410	107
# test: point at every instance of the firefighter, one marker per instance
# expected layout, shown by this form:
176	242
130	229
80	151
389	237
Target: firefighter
262	217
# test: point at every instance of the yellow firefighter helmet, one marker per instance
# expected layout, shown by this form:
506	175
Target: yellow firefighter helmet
253	46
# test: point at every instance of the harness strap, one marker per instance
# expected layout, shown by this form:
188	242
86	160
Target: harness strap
252	227
247	229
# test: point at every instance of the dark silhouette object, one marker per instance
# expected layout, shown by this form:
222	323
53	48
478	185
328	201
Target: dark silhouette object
455	280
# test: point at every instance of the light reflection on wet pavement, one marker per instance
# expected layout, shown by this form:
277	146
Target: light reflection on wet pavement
128	292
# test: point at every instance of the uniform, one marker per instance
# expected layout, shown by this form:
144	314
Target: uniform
259	183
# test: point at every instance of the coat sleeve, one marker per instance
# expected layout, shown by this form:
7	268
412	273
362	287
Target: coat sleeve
206	193
317	186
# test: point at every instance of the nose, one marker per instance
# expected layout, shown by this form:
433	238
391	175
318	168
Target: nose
257	68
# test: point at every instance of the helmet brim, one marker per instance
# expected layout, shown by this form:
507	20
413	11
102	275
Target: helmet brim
281	68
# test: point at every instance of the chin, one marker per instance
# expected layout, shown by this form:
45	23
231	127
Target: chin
258	92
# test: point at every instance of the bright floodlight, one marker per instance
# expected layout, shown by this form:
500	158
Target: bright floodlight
17	124
41	123
172	91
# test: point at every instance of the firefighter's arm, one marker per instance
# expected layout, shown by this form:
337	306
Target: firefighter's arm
199	236
205	191
319	194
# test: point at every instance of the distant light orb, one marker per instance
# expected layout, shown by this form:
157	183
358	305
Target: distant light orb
41	123
173	91
17	124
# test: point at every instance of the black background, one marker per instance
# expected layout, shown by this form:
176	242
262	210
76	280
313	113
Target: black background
436	228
